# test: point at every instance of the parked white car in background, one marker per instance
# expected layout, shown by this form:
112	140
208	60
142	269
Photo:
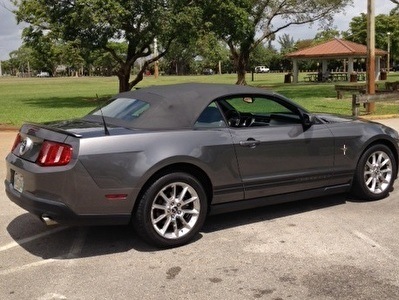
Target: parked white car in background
261	69
43	74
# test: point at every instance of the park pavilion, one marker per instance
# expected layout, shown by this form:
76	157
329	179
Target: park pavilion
336	49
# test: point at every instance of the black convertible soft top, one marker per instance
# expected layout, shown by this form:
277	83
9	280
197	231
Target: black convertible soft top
179	105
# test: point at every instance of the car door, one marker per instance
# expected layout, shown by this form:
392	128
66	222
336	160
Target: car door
275	153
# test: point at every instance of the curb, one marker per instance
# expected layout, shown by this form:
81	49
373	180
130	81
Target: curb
9	128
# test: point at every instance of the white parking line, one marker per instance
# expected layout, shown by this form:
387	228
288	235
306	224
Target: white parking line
78	244
31	238
27	266
74	251
373	243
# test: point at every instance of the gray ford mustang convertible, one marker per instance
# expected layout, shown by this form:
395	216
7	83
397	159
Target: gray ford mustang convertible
165	157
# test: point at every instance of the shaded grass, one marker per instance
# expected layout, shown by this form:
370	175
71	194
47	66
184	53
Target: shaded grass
46	99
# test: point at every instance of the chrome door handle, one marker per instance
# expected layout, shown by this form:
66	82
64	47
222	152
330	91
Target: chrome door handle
251	143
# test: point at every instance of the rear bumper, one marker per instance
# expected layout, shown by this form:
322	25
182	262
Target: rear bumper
59	212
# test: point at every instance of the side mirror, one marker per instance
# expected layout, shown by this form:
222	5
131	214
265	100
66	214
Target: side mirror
248	100
307	120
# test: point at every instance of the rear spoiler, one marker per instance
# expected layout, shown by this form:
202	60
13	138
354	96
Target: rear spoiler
58	130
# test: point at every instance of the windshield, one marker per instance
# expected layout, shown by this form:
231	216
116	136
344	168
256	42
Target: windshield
126	109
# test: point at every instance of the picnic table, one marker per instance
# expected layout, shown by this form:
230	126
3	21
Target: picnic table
332	76
339	76
311	77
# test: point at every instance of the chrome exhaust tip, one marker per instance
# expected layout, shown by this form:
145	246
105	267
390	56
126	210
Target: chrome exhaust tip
48	221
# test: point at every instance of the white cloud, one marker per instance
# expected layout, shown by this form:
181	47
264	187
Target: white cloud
341	20
10	32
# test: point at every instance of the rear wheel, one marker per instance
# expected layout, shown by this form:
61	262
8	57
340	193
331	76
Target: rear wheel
375	173
171	211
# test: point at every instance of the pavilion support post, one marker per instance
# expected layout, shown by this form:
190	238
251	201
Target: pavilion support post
350	67
378	68
295	70
324	65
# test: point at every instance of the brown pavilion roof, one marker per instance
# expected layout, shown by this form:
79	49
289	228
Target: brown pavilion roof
335	48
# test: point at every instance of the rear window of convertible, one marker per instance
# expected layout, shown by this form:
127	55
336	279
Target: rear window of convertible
126	109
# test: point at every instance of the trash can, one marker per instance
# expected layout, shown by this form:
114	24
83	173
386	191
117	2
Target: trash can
319	76
383	75
287	78
353	77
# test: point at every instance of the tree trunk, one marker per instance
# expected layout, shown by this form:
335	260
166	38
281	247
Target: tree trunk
241	77
241	62
124	77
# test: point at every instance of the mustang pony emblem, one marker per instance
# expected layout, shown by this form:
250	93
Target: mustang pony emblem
26	145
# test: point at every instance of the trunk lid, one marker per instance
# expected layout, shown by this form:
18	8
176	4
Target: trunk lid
32	137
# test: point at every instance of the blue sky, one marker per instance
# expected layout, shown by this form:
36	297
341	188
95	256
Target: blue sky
10	32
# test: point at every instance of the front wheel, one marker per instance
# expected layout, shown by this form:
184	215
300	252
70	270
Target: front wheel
375	173
171	211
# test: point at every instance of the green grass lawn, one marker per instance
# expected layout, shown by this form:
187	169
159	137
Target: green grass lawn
46	99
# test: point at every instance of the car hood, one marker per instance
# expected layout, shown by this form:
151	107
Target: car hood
327	118
339	121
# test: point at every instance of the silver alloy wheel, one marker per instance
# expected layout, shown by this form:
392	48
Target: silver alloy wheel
175	210
378	172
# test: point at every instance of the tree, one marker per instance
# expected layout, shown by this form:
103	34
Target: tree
326	35
103	63
211	50
178	59
396	9
191	58
262	55
383	24
287	43
21	61
93	24
357	31
244	24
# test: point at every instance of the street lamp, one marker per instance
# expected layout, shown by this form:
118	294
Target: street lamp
389	48
1	71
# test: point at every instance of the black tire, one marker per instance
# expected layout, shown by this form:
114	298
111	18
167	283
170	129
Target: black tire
171	211
375	173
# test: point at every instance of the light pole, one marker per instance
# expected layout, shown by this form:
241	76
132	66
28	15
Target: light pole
389	51
370	52
1	71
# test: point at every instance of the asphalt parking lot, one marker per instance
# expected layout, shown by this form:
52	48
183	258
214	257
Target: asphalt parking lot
325	248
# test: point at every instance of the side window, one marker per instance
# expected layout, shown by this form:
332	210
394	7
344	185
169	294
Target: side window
258	111
210	117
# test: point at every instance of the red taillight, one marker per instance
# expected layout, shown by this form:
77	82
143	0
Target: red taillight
18	139
54	154
116	196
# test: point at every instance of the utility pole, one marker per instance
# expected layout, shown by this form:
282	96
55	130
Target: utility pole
389	50
156	70
370	52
